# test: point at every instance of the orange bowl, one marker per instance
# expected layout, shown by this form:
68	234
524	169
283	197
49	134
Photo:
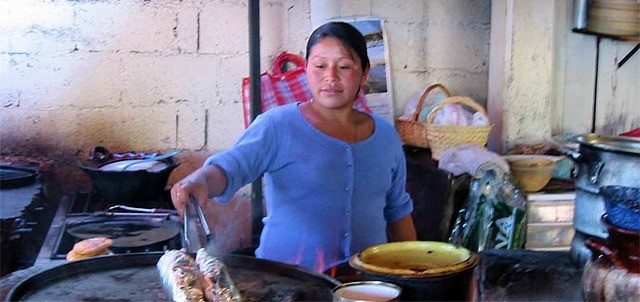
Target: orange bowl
532	172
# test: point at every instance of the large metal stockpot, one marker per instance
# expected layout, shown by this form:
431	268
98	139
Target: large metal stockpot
601	161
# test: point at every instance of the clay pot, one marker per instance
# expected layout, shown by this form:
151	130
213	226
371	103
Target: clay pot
425	270
613	271
533	172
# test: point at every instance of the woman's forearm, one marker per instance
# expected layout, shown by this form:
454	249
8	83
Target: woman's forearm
216	179
202	183
402	230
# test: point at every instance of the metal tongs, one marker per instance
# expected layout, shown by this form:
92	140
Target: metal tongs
224	289
192	210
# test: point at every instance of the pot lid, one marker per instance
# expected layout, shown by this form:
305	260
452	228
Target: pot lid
610	143
414	259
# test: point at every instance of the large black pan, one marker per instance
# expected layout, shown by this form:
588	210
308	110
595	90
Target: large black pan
134	277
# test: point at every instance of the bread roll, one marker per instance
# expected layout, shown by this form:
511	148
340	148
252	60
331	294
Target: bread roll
97	246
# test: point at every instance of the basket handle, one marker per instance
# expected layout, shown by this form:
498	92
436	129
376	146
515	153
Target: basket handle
284	58
416	113
455	99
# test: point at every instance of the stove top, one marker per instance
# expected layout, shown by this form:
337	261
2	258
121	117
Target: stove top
150	226
91	202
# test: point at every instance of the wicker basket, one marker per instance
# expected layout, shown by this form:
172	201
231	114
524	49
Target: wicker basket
412	132
443	137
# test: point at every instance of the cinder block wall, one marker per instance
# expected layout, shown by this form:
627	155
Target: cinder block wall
158	75
161	75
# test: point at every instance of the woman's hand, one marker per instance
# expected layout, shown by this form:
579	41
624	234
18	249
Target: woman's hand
202	183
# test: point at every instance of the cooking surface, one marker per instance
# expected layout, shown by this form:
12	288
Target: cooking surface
13	177
25	215
125	284
125	231
503	275
14	200
523	275
84	216
134	277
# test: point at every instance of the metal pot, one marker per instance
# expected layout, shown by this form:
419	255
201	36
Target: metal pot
601	161
126	187
425	270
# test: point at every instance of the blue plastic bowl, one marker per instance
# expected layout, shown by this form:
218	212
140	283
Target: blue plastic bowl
622	205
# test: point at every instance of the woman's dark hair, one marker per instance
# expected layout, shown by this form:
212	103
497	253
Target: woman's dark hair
346	33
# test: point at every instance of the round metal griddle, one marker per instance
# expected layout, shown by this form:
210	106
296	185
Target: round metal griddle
134	277
127	233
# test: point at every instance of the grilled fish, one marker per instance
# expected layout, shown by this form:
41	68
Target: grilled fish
204	278
180	276
219	286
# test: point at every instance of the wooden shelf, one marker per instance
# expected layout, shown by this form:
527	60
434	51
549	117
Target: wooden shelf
635	39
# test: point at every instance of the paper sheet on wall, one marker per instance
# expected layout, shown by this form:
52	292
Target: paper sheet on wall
378	88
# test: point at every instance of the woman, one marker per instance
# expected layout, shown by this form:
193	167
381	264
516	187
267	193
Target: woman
334	177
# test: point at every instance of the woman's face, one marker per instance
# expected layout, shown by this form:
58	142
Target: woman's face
335	73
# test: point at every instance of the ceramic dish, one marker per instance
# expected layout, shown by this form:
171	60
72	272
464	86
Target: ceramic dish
533	172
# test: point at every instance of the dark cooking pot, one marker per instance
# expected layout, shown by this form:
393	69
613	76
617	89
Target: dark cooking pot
127	187
601	161
425	270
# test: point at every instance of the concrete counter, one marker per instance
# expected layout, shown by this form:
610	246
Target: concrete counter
525	275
